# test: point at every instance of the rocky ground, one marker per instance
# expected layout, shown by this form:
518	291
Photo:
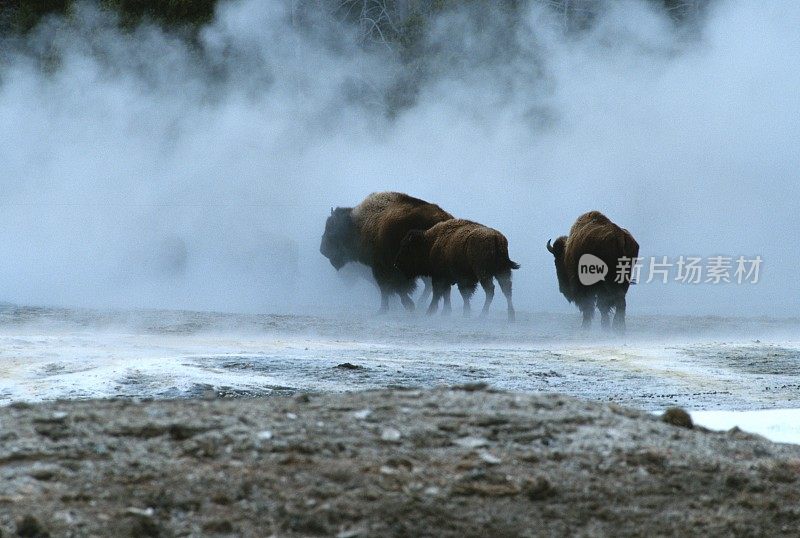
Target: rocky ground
467	461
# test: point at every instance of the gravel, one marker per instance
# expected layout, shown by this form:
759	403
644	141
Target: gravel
438	462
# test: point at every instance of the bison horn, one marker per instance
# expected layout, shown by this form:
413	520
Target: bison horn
550	247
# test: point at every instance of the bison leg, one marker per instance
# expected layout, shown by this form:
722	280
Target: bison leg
466	289
619	315
439	289
504	279
586	305
488	288
434	306
385	287
385	294
427	289
604	304
408	304
446	306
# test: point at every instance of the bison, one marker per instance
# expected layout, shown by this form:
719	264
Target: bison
371	233
593	233
458	252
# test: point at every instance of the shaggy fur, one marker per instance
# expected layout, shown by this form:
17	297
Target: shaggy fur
371	233
458	252
593	233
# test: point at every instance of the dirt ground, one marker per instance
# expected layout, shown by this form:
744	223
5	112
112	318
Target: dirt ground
466	461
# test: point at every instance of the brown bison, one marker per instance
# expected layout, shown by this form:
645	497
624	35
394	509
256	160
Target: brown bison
594	234
371	233
458	252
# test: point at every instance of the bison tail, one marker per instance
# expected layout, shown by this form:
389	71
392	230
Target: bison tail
501	254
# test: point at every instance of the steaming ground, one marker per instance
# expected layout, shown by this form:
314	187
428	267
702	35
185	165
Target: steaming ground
708	363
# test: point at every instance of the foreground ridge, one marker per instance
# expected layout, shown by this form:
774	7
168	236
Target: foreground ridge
461	461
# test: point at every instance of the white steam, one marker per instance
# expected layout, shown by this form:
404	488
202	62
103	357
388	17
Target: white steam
139	172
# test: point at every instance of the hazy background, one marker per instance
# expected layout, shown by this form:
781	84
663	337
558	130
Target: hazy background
144	169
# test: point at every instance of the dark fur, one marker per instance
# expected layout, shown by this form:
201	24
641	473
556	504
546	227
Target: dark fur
593	233
371	233
458	252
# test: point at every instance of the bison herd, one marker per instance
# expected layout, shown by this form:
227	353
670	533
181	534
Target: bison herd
402	238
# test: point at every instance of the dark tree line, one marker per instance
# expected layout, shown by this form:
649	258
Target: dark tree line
401	26
397	22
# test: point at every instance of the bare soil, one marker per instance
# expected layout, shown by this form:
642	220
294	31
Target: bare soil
466	461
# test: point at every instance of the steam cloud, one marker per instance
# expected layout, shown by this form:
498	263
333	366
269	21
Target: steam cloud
138	172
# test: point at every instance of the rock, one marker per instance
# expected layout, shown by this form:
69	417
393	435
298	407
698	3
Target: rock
351	533
490	458
264	435
538	489
140	526
390	435
57	417
42	473
677	417
147	512
181	432
400	463
53	430
349	366
491	420
471	442
218	526
29	527
361	415
472	387
485	484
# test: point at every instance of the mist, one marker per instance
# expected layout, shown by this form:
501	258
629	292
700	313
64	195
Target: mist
143	169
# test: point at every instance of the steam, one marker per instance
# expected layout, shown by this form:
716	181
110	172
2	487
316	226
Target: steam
140	171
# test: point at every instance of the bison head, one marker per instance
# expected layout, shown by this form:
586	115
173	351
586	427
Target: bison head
413	254
557	249
340	238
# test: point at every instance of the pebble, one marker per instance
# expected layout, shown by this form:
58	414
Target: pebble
349	366
350	533
390	435
490	458
265	435
56	417
147	512
29	526
361	415
471	442
677	417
